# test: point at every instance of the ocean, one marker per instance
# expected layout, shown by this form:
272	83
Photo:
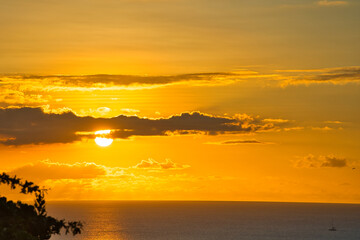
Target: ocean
190	220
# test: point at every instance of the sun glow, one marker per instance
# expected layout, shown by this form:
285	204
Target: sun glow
102	140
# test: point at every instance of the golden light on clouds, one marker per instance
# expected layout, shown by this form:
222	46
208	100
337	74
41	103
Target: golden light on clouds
178	84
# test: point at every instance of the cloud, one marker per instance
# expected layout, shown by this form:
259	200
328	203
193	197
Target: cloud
19	126
338	74
46	169
152	164
276	120
326	128
37	90
129	111
341	75
15	97
331	161
88	180
103	110
293	129
333	122
113	82
97	112
236	142
332	3
311	161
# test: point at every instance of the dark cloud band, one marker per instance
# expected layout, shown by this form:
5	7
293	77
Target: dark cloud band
108	80
19	126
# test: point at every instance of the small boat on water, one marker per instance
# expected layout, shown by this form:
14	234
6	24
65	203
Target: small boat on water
332	227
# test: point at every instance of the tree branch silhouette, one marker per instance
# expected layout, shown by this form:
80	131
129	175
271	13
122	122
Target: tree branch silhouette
20	221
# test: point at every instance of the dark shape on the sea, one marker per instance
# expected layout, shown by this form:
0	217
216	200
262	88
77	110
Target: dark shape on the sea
333	228
19	221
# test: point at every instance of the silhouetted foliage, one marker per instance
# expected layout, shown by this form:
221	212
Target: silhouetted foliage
19	221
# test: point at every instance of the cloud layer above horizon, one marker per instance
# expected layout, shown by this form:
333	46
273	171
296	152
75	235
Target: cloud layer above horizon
19	126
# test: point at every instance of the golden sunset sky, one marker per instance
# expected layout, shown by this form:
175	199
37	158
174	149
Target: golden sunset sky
205	100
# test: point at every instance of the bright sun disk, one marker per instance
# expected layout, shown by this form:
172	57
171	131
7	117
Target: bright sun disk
102	140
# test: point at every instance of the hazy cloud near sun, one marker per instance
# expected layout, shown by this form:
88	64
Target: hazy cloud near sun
48	170
153	164
19	126
311	161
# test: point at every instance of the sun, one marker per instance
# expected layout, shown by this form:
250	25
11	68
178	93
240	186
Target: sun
102	140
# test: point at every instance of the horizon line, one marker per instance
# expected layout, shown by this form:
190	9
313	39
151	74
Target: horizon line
164	200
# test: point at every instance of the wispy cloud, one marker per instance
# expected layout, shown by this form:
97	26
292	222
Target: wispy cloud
46	169
49	170
116	82
236	142
311	5
326	128
311	161
36	90
129	111
333	122
89	180
153	164
276	120
332	3
17	97
327	75
293	129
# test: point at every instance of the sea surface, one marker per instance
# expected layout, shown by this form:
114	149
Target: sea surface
168	220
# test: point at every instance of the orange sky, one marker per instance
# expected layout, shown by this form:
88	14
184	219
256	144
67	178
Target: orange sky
252	101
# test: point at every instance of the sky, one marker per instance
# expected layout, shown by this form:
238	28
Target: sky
203	100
